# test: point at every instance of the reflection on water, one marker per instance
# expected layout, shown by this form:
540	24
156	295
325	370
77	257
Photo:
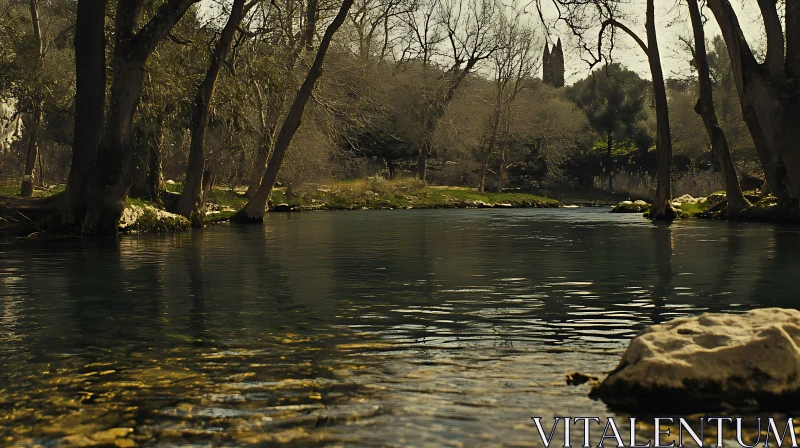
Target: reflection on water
418	328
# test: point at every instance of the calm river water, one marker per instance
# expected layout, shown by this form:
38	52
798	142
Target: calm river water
376	328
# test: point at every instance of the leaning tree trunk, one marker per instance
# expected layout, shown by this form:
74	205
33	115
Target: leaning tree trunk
90	99
111	175
258	168
705	108
662	208
267	121
254	210
192	201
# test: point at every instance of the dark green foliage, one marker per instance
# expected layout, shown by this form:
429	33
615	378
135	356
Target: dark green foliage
613	99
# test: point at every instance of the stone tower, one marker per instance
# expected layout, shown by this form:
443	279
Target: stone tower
553	65
547	74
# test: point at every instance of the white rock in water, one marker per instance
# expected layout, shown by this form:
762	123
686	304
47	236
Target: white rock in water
170	182
640	202
710	362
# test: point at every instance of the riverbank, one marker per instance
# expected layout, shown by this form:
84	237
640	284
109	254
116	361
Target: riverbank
143	216
371	195
763	208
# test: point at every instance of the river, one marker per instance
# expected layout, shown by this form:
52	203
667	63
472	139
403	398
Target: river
367	328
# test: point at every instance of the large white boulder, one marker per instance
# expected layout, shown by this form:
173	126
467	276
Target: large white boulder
150	219
710	362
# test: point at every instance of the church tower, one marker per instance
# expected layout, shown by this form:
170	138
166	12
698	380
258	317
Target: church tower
557	65
553	65
547	74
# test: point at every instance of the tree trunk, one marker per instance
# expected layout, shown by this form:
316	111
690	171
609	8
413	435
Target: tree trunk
422	161
111	175
705	108
192	201
609	161
489	148
155	173
33	151
501	173
254	210
662	208
147	178
267	122
36	113
90	101
436	111
769	95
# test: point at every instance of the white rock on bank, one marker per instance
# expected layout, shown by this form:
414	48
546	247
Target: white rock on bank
687	199
712	361
165	220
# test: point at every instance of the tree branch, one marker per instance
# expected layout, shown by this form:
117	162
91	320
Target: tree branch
616	24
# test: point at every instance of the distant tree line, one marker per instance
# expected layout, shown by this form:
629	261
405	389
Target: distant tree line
114	97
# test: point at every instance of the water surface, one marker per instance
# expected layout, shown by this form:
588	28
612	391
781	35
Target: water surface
374	328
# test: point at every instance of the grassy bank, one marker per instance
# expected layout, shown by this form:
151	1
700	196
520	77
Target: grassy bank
375	194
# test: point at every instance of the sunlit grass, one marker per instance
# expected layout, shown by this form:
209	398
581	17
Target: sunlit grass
402	193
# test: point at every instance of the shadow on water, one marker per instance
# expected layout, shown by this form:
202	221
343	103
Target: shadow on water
419	328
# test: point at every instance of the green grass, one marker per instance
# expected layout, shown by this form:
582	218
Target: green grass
405	193
140	202
13	189
227	198
9	190
175	188
689	210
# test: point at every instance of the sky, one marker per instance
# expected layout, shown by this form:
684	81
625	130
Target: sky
672	22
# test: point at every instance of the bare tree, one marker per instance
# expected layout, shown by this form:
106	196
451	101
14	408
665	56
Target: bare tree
254	210
192	201
513	64
467	31
369	18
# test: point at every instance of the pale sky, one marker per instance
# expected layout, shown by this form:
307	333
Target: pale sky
673	22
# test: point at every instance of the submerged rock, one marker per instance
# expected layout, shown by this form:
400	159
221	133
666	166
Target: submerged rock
282	208
631	207
577	378
711	362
